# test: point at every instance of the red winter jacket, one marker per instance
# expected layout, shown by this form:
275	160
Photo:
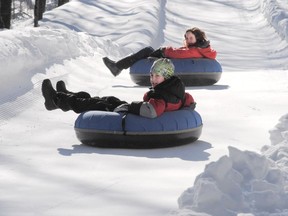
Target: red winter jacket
167	96
160	106
192	52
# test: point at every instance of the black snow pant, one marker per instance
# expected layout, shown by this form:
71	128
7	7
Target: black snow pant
79	105
141	54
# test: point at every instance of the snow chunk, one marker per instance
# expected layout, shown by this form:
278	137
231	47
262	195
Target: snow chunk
243	183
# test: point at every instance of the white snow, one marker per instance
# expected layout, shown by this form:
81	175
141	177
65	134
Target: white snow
239	166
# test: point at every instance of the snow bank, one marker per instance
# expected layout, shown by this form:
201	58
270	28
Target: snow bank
278	151
26	49
133	24
35	50
276	14
243	182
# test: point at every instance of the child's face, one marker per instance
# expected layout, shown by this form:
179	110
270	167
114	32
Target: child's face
156	79
190	38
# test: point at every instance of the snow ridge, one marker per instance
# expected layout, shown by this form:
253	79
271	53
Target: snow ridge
243	182
277	16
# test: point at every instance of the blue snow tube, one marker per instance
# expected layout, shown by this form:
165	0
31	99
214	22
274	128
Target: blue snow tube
193	71
117	130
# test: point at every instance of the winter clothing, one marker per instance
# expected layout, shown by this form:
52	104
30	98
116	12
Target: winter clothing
111	65
49	95
117	67
158	53
201	49
167	96
78	102
163	67
109	103
61	87
130	60
197	47
190	52
201	44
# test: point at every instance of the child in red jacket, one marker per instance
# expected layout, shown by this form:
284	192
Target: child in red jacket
166	94
196	45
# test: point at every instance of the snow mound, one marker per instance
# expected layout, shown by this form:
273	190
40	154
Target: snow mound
243	182
35	50
277	15
278	151
27	48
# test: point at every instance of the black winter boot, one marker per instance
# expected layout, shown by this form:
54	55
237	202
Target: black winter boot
63	101
49	95
61	87
117	67
111	65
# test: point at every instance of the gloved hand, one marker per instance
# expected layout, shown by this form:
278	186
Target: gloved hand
159	53
192	106
122	108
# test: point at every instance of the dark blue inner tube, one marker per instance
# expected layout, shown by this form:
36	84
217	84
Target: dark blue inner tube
193	71
117	130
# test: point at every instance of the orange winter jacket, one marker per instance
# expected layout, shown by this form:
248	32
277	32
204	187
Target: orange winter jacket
192	52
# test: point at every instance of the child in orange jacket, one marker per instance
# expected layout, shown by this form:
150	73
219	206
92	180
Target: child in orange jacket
196	45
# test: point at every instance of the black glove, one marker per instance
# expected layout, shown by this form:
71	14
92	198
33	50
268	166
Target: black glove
122	108
159	53
135	107
192	106
202	44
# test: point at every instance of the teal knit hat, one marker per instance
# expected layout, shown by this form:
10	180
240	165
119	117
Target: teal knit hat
163	67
